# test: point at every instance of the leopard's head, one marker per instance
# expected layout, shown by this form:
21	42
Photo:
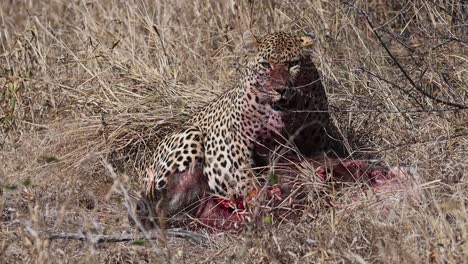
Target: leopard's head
274	61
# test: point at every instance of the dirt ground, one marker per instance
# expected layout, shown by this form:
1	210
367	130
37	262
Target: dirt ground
87	88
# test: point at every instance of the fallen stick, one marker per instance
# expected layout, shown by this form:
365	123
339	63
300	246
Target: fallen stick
193	237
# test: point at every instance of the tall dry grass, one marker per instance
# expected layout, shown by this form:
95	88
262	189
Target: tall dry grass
83	82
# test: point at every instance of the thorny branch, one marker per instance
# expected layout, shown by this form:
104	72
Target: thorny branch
398	64
395	85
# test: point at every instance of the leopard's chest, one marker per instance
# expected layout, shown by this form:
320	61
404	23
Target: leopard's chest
230	127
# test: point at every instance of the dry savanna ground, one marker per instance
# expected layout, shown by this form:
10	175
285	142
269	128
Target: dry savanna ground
87	88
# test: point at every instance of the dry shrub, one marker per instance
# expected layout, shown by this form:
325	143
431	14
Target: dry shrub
87	81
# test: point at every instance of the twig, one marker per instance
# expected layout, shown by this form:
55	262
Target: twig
404	111
454	17
414	142
400	67
160	41
193	237
419	89
394	85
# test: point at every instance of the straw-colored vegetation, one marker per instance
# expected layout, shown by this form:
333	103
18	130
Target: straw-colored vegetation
84	84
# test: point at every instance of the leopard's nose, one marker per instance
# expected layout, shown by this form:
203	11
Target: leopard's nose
279	75
282	90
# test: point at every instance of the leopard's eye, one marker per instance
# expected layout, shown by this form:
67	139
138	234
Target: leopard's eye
265	64
293	63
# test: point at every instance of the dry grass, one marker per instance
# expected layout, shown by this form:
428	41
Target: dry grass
82	82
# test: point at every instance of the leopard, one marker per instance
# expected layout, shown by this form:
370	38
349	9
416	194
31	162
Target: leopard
213	154
311	130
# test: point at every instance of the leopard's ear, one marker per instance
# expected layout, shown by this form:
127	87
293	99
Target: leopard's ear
307	40
250	42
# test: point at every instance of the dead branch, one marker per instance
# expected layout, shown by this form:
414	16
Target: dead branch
155	235
378	111
424	141
398	64
394	85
